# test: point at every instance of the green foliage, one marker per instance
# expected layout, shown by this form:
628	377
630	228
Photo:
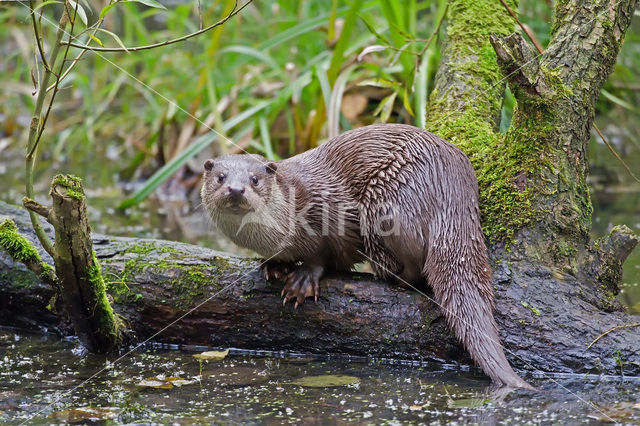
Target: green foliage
265	80
269	69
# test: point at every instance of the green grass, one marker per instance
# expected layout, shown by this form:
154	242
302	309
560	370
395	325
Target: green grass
268	74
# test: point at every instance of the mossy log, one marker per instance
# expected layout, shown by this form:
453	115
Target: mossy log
184	294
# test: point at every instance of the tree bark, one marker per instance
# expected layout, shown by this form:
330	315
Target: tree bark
556	95
183	294
78	272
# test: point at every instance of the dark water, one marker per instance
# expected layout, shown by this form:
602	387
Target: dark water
45	380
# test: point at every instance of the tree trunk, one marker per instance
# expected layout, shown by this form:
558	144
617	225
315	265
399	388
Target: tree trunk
179	293
77	270
533	192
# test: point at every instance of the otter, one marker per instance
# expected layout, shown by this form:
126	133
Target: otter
395	195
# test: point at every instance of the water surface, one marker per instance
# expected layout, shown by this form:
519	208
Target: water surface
44	379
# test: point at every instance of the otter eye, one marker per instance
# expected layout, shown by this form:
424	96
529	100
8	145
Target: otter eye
221	177
254	180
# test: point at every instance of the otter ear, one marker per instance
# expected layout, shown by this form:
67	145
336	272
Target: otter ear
271	168
208	165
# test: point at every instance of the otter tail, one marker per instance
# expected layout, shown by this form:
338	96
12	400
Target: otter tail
462	286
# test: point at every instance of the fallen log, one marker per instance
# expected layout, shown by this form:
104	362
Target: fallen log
185	294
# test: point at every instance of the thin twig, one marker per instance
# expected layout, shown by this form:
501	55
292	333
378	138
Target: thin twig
55	88
37	34
617	327
436	32
75	61
526	29
233	13
36	207
34	128
615	154
540	49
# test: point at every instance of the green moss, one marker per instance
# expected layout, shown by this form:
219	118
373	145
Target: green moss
474	21
190	282
531	308
21	249
109	325
505	207
470	120
15	244
71	183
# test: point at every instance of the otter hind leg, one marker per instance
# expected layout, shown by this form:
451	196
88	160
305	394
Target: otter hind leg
302	282
374	232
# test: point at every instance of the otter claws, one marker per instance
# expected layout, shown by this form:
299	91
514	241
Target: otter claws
276	270
302	282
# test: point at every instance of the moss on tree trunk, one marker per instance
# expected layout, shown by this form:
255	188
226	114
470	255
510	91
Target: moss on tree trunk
466	103
83	289
533	192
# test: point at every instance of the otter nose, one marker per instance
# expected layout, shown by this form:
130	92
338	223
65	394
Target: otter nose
235	191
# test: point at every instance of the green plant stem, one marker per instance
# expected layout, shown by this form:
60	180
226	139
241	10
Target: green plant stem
34	130
37	35
62	75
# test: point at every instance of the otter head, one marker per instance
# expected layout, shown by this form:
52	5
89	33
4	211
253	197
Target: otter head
237	184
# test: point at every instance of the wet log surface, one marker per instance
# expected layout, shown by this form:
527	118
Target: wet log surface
193	295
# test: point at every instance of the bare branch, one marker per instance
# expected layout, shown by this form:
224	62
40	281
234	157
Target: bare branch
36	207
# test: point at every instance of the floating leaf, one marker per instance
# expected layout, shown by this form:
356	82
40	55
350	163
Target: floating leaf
86	414
212	355
161	382
326	381
468	402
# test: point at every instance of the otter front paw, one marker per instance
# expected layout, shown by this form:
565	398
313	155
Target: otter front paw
276	270
302	282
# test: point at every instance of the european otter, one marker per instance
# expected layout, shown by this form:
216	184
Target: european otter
393	194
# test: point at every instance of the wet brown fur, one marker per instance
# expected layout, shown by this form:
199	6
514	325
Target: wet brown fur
428	188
